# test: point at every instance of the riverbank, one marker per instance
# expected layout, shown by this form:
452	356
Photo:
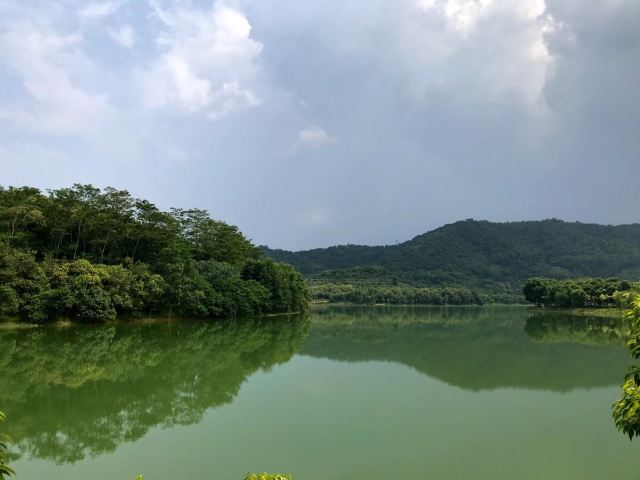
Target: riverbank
315	303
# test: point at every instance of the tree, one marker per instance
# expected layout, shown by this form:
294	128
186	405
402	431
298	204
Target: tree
626	411
576	292
213	240
286	287
5	470
91	254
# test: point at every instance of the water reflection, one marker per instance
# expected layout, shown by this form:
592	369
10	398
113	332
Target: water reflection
83	390
554	327
477	348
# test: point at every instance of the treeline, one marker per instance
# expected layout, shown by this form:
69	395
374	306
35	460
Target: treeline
92	254
404	295
575	293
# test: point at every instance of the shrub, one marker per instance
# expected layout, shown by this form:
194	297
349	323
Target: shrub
5	470
267	476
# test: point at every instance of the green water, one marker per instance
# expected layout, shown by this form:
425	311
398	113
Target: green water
349	393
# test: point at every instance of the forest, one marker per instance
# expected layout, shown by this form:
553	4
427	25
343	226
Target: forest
572	293
496	258
373	284
91	254
402	295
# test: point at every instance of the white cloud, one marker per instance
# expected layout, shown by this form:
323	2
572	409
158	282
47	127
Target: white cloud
485	49
232	97
207	62
124	36
99	9
461	14
171	81
47	62
314	137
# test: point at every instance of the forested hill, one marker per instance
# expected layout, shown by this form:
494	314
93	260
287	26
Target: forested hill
481	254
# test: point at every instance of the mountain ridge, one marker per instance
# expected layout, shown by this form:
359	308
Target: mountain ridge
484	254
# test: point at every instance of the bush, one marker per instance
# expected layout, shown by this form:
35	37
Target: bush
626	411
267	476
5	470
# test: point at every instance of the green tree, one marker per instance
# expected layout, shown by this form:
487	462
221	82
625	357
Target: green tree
21	212
91	254
5	470
575	292
626	411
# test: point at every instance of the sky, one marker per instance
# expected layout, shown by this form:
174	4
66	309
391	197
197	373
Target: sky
311	123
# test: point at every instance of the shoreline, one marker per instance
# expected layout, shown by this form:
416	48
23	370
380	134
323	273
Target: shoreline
449	305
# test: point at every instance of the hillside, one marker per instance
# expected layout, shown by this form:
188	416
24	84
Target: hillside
481	254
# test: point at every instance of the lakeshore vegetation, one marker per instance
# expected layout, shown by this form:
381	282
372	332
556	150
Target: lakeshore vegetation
577	292
398	295
91	254
626	411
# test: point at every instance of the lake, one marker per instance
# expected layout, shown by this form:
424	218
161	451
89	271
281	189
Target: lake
345	393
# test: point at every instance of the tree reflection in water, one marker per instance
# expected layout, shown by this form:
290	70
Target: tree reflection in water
82	390
477	348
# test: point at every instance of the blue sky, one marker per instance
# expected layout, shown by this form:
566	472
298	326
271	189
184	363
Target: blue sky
313	123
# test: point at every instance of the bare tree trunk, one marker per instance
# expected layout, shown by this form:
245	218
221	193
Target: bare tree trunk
75	252
103	249
13	225
58	245
133	255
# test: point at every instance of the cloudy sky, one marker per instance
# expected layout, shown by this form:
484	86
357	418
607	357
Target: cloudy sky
310	123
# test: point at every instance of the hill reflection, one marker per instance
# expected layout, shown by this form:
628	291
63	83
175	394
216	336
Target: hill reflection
477	348
83	390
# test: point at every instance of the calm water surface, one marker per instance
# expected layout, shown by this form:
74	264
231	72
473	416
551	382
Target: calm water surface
350	393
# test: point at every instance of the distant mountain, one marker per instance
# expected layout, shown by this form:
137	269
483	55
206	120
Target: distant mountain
481	254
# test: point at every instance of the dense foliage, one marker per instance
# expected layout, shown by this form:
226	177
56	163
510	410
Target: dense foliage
626	411
495	257
93	254
580	292
397	294
5	470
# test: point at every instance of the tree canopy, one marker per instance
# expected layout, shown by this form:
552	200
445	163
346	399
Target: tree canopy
92	254
577	292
